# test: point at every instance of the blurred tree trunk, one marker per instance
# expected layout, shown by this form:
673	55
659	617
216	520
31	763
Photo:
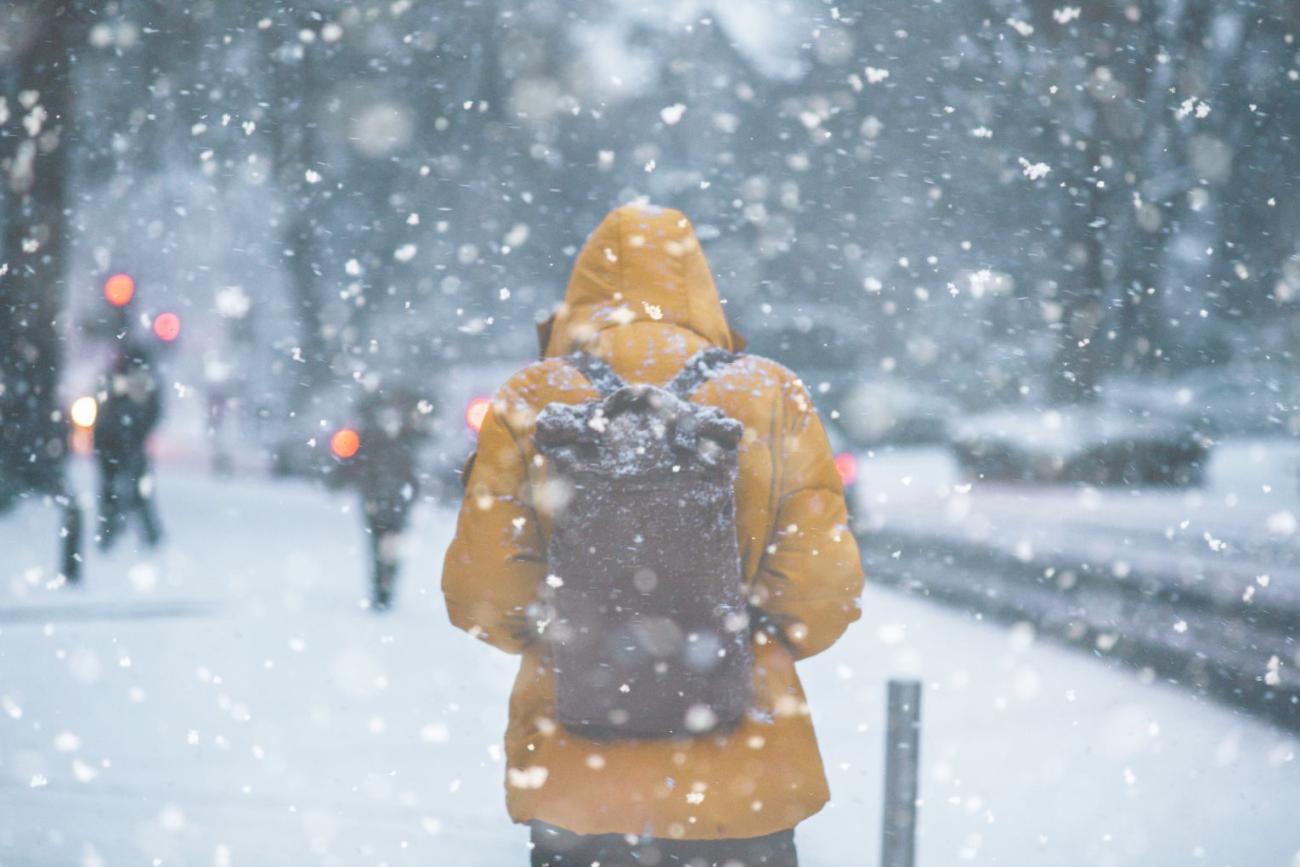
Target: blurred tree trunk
293	144
1079	355
33	259
1075	129
1139	231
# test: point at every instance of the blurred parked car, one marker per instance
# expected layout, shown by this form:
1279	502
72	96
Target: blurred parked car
886	412
1232	399
1086	444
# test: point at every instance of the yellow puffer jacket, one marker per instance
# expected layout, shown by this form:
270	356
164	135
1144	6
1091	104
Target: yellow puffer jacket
641	297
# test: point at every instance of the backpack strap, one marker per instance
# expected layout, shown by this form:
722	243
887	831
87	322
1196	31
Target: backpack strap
598	373
699	369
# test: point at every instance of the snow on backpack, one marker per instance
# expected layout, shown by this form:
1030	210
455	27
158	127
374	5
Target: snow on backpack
649	632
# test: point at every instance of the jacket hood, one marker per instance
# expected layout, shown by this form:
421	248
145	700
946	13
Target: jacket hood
642	264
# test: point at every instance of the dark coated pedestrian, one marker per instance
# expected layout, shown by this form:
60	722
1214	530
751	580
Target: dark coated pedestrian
384	469
129	412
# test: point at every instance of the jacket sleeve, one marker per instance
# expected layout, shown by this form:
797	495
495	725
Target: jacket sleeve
810	577
496	561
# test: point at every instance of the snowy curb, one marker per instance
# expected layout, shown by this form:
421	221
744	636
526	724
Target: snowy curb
1241	653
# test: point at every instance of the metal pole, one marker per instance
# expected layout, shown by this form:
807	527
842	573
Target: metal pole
71	534
902	744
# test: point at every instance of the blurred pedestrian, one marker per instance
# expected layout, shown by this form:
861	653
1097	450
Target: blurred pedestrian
384	469
655	522
219	434
131	409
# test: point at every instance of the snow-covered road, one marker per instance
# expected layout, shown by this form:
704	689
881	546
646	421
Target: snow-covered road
226	701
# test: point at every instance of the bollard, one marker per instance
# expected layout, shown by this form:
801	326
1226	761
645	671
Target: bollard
902	743
70	547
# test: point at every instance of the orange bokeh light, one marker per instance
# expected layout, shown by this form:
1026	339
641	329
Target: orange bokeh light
119	289
345	443
82	441
167	326
476	413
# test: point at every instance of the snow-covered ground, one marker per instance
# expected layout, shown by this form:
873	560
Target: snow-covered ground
1244	523
226	701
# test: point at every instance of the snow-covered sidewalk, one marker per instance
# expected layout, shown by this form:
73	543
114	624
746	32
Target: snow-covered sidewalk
227	702
1202	584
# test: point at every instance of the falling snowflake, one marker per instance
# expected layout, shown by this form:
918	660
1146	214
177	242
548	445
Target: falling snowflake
1282	523
1192	106
672	114
1272	673
533	777
1034	171
517	235
1024	28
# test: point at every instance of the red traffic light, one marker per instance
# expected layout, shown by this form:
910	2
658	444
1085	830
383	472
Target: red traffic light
119	289
345	443
167	326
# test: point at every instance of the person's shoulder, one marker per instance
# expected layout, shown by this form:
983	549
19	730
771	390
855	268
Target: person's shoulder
766	373
541	381
518	401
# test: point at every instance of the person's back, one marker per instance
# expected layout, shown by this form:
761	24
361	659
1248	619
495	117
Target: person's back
641	299
127	416
385	472
131	407
388	479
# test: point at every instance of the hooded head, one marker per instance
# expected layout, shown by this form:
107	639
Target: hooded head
131	355
643	264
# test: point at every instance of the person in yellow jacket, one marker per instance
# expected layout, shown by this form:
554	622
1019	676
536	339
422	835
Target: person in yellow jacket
641	298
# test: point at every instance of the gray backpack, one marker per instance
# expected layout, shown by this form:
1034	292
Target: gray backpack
648	627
